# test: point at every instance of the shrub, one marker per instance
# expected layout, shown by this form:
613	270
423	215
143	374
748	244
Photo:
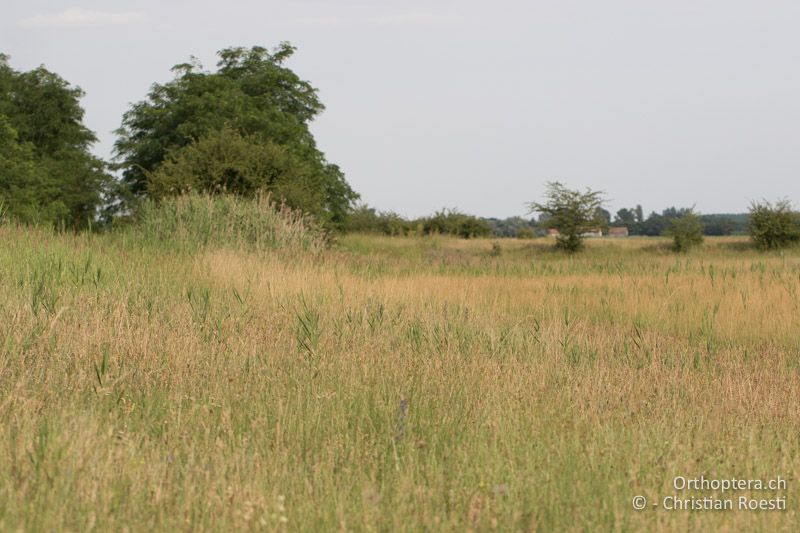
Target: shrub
364	219
570	212
194	220
224	161
525	233
686	231
774	225
452	222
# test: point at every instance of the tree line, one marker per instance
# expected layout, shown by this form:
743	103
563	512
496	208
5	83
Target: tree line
242	128
571	212
366	219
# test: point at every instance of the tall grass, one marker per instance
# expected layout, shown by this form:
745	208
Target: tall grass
393	384
196	220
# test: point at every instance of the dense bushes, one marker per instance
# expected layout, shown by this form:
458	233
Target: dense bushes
225	161
774	225
190	221
365	219
452	222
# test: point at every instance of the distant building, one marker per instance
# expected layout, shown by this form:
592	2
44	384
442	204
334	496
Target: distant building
552	232
620	231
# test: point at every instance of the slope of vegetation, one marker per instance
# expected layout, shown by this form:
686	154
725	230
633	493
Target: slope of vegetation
192	221
388	384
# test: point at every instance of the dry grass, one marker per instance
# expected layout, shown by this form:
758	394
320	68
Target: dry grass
390	384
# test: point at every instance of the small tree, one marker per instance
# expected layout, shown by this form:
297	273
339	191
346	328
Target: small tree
686	231
570	212
774	225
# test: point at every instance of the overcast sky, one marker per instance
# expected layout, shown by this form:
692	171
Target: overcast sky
476	105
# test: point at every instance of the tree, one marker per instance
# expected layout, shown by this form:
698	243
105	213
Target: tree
570	212
47	174
686	230
775	225
252	92
23	185
625	217
603	219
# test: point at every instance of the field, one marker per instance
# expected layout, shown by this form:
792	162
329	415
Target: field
391	384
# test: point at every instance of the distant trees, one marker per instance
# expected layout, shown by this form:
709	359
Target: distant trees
253	94
47	175
523	228
625	217
569	211
602	219
658	223
244	128
775	225
365	219
723	224
453	222
686	230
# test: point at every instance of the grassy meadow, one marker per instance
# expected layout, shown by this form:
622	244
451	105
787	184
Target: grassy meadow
386	384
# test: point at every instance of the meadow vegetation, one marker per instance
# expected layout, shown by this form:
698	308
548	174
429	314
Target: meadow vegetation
175	376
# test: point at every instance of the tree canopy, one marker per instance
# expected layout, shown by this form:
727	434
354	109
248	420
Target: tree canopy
253	93
47	174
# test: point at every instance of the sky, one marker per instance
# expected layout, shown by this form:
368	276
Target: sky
477	105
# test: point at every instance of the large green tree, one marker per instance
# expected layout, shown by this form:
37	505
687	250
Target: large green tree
47	174
251	92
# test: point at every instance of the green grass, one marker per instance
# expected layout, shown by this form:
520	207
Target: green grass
388	384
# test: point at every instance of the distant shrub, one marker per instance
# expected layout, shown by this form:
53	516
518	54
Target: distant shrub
686	231
452	222
365	219
195	220
774	225
525	233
